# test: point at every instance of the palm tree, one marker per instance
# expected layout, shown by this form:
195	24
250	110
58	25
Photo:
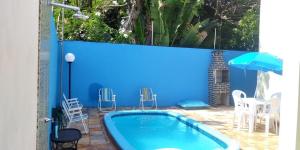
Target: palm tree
173	23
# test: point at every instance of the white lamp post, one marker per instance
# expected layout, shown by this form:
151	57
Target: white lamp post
70	57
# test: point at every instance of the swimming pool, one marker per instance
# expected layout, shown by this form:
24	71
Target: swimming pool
161	130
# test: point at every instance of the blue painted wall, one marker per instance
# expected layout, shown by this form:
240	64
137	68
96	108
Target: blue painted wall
174	73
240	79
53	72
53	67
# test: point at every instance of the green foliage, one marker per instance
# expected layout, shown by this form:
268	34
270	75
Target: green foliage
182	23
173	23
58	117
97	28
192	37
247	31
233	31
161	34
139	33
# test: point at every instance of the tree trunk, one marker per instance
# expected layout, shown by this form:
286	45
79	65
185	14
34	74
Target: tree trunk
133	15
90	5
149	31
77	3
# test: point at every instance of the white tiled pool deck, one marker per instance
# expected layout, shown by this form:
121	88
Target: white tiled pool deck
219	118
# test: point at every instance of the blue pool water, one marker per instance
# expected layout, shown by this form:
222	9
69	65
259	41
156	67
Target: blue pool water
161	132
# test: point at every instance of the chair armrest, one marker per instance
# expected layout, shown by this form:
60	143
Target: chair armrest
141	97
76	105
72	100
99	97
75	109
73	113
154	96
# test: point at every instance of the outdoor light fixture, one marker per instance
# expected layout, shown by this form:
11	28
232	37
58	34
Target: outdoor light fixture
70	57
78	13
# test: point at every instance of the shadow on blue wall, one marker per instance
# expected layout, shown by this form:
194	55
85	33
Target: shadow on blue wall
174	74
93	90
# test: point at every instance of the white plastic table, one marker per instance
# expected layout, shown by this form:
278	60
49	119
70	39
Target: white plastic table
253	105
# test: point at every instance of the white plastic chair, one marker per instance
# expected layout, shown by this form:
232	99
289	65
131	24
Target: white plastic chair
238	105
271	112
72	102
106	95
146	95
74	114
249	113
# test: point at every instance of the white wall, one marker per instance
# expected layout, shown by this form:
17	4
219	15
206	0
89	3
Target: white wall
18	74
279	35
270	37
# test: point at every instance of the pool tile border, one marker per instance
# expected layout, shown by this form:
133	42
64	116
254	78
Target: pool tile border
123	144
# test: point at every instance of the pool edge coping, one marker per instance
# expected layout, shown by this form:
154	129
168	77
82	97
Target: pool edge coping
123	144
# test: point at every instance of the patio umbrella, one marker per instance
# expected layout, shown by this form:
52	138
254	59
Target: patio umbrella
258	61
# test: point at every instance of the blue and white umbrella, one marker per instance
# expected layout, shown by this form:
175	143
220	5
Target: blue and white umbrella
257	61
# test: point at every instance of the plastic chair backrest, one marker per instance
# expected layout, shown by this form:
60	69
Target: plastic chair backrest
66	109
64	96
147	93
275	103
237	97
106	94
